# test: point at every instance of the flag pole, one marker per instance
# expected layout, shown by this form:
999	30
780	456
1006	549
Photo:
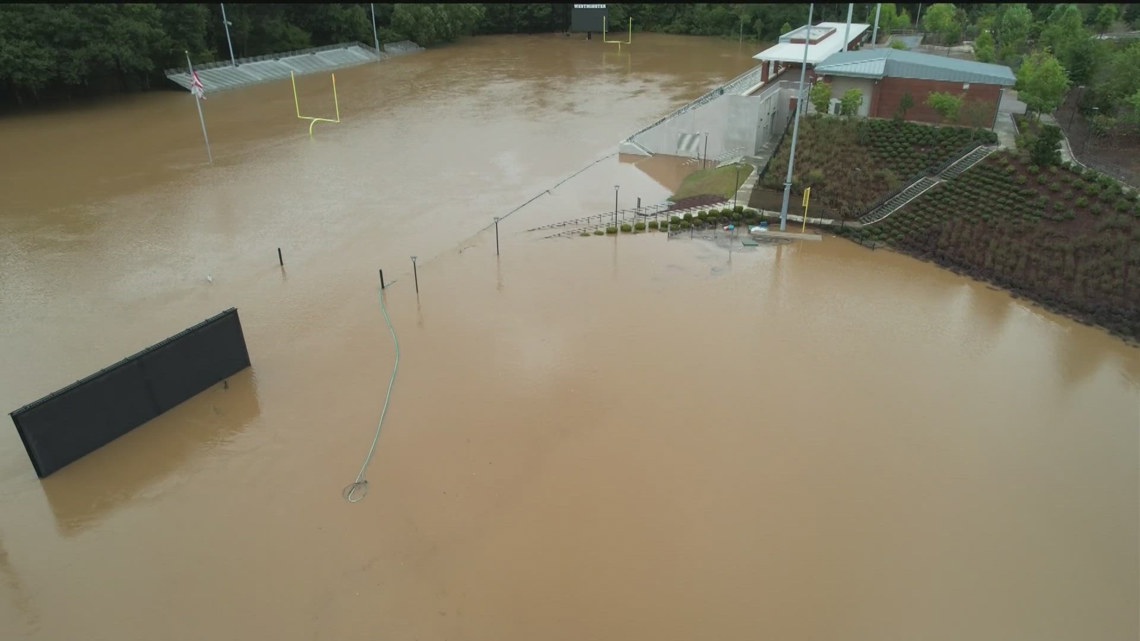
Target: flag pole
201	118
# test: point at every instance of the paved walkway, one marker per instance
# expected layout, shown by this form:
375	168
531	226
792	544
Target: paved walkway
1005	128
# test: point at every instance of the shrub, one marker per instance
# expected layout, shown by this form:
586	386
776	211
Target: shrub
598	232
1020	179
1055	186
585	234
688	217
611	230
653	225
674	220
639	227
1082	202
1033	169
1096	208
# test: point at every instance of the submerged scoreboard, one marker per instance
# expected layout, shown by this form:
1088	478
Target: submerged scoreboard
588	17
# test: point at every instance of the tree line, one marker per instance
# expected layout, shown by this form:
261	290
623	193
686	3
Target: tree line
59	52
1056	49
52	52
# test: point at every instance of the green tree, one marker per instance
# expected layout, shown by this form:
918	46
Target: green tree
890	19
946	104
1124	73
1042	83
785	28
432	23
905	105
984	47
1105	17
820	97
1046	148
943	19
850	102
899	44
1064	33
1012	27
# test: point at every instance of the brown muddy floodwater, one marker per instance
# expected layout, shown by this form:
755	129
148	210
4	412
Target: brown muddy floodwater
594	438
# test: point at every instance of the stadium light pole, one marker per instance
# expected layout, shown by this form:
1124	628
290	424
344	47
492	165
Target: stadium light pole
737	185
375	34
226	24
796	125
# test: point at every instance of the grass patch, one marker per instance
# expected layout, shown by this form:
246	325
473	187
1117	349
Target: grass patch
720	182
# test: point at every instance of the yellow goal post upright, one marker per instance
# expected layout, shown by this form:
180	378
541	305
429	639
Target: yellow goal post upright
619	43
312	119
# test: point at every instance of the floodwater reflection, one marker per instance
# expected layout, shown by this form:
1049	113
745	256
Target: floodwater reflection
151	460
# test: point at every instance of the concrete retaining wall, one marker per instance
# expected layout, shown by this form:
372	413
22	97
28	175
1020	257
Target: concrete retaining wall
737	126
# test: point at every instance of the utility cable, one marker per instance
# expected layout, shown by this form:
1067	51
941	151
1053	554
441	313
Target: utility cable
356	491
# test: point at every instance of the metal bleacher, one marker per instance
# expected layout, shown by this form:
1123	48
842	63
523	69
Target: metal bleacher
223	75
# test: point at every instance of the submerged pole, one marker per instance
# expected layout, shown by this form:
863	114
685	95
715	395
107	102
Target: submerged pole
796	125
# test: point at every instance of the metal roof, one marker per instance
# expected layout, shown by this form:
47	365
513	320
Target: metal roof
794	53
220	76
895	63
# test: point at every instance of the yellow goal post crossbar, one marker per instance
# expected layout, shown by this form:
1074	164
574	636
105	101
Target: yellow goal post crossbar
619	43
312	119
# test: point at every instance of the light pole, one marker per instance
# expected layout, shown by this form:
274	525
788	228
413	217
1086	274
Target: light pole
496	235
375	35
616	188
226	24
796	126
416	274
706	157
737	186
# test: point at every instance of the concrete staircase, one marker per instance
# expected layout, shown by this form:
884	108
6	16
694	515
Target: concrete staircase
899	200
966	162
924	184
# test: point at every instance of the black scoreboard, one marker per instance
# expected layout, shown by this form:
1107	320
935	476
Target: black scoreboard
588	17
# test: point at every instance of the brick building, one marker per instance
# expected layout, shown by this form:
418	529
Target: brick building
885	76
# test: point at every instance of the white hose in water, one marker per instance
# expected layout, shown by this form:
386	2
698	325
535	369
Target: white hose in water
359	489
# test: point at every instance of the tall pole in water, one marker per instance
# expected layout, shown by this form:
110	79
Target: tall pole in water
375	35
875	33
847	31
796	125
226	24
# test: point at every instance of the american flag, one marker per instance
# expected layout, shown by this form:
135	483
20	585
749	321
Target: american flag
196	87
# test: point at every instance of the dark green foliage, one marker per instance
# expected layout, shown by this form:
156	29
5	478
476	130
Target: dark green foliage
1046	148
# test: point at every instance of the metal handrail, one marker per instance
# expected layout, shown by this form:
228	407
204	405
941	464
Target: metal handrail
706	98
966	151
